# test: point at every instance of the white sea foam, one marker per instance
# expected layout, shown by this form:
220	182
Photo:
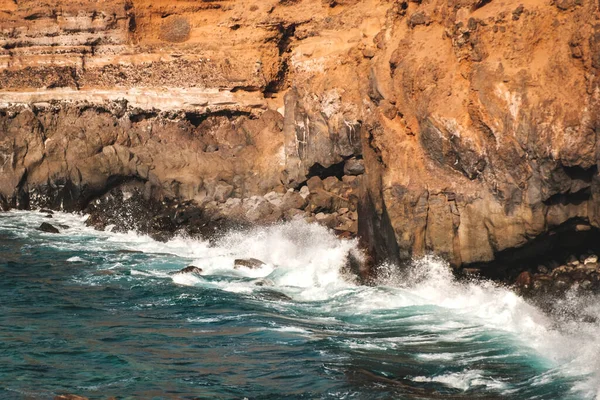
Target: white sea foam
463	380
304	261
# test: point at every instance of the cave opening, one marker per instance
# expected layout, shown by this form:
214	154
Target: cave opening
322	172
575	237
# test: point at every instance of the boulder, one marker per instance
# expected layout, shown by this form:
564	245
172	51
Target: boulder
320	201
592	259
315	184
293	200
274	295
354	167
190	269
251	263
46	227
524	280
274	198
304	192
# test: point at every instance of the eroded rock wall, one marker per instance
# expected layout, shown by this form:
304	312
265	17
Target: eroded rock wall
471	126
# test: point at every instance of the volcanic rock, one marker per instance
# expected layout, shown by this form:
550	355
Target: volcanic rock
46	227
190	269
250	263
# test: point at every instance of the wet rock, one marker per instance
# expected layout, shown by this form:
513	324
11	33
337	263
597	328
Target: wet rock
543	269
48	216
127	251
524	280
585	285
274	295
190	269
251	263
562	282
471	271
542	283
562	269
104	272
46	211
264	282
46	227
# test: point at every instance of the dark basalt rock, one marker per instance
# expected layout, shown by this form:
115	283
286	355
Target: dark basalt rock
251	263
130	207
190	269
127	251
274	295
46	227
264	282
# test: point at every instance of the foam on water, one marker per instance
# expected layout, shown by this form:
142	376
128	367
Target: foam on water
306	261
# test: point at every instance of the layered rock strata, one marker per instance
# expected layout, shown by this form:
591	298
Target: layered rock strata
461	128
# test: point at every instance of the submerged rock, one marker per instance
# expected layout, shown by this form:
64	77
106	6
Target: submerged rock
274	295
264	282
251	263
46	227
190	269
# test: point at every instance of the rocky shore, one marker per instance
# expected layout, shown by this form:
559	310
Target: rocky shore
330	202
467	129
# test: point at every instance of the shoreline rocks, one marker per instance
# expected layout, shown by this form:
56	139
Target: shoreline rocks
48	228
190	269
576	273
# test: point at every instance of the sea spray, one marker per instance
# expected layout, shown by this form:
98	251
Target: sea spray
297	326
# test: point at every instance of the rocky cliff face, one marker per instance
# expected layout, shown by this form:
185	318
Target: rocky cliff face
462	128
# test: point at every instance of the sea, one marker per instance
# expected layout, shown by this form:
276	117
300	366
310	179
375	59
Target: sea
101	314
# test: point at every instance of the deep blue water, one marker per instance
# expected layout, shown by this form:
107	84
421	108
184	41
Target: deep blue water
98	315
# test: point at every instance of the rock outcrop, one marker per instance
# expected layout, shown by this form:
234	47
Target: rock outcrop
463	128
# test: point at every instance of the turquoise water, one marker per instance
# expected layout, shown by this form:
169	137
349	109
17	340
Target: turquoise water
97	314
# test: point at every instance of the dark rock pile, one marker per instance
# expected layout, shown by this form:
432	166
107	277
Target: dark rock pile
576	273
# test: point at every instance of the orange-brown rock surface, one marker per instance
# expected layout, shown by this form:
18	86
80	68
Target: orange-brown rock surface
476	120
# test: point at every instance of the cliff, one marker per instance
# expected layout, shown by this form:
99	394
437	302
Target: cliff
473	121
